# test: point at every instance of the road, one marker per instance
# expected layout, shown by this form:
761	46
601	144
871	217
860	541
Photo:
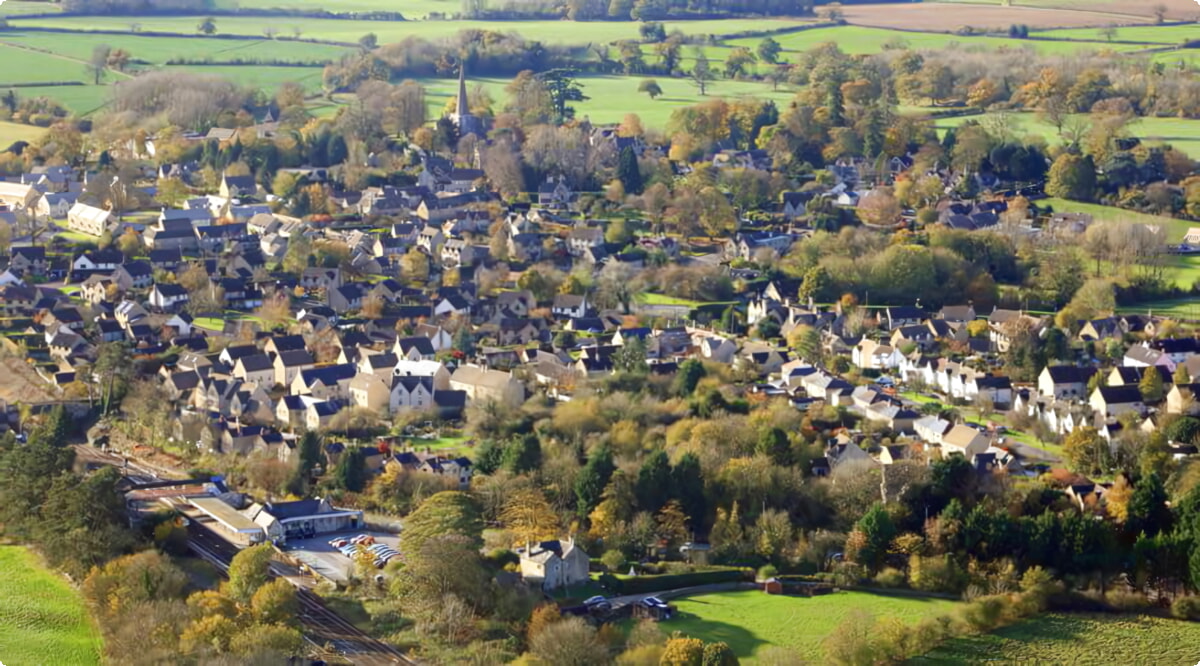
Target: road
322	627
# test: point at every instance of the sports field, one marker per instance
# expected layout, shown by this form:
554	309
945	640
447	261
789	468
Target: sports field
42	619
751	621
1057	638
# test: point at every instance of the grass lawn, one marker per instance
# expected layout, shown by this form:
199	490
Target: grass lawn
17	8
449	446
1175	229
1084	638
42	619
663	299
1181	133
10	133
750	621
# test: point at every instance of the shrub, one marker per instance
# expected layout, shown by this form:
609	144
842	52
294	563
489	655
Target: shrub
648	584
890	577
936	574
1186	608
987	613
1127	601
613	560
766	571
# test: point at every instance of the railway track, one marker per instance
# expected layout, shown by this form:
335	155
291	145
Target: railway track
322	627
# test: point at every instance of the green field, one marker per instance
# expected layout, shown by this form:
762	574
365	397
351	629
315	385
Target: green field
611	97
1152	34
1057	638
550	32
42	620
12	132
1182	133
750	621
411	9
21	66
158	50
1175	229
17	8
857	39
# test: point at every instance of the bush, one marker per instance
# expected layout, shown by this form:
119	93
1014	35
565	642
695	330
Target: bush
766	572
613	560
936	574
987	613
890	577
1127	601
1186	608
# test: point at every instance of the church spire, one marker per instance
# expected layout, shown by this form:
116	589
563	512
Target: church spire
462	109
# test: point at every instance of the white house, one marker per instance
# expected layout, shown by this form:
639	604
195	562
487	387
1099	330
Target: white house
554	564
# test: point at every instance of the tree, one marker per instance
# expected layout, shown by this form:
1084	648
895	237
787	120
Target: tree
415	266
523	454
877	533
631	357
368	42
1181	377
815	286
1151	385
1184	430
739	59
248	572
1072	177
464	341
208	26
1086	450
683	652
350	473
449	512
593	479
687	486
701	73
773	443
628	172
879	207
768	51
570	641
97	65
653	486
171	192
650	87
529	516
563	89
688	377
276	603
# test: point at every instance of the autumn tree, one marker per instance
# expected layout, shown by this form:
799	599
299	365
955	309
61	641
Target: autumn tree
1072	177
98	63
248	572
529	516
1086	450
446	513
701	73
879	207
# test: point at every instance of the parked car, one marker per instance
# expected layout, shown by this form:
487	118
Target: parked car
597	603
653	602
364	539
338	543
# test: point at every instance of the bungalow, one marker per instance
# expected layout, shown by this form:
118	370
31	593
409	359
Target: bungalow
904	315
98	260
1142	356
569	305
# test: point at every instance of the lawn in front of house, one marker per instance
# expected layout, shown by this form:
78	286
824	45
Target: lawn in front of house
751	621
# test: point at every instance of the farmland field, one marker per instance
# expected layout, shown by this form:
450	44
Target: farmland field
859	39
21	66
411	9
550	32
1174	229
949	17
1176	9
42	620
1057	638
750	621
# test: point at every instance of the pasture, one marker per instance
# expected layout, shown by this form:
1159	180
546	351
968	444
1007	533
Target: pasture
411	9
1085	638
22	66
611	97
751	621
158	50
865	40
1150	34
347	31
42	620
1182	133
10	133
951	17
